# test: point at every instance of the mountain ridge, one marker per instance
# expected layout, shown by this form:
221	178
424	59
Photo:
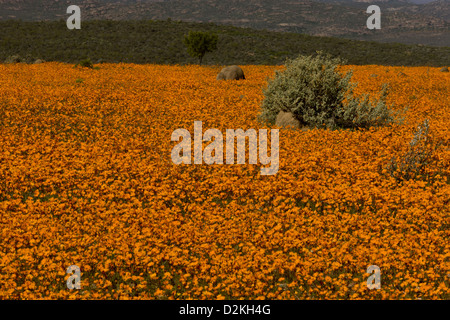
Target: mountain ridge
401	21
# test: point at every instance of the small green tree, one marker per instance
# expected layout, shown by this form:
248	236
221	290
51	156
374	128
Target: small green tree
198	43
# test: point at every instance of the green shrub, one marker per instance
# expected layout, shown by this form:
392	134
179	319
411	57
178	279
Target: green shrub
318	96
14	59
420	157
86	63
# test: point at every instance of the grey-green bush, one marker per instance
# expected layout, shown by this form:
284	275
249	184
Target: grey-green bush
314	91
420	156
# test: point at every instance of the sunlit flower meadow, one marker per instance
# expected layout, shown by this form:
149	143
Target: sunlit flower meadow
86	179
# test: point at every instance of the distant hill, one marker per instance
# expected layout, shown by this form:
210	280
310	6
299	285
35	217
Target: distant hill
401	21
440	8
161	42
421	1
388	2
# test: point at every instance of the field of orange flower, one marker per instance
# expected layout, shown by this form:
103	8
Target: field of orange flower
86	179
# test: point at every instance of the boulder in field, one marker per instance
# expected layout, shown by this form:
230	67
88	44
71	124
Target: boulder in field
444	69
231	73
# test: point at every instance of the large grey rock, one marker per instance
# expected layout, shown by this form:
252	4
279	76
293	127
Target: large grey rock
231	73
444	69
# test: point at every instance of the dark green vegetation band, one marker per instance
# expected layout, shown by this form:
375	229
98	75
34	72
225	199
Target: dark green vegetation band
161	42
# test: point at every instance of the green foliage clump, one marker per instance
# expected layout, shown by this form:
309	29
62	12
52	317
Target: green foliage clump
14	59
318	96
198	43
86	63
